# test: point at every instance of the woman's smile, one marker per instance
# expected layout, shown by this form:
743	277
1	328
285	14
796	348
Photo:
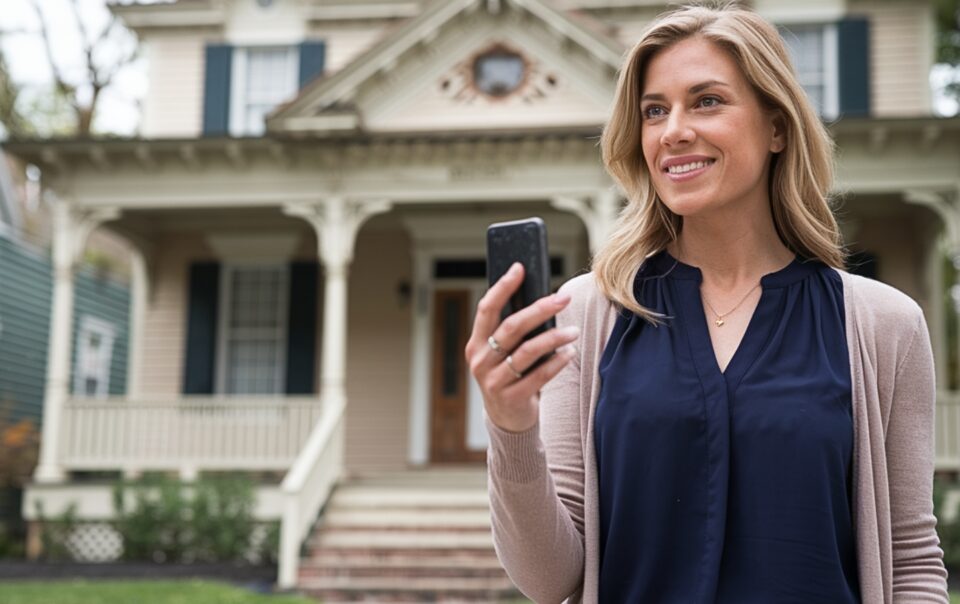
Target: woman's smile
688	167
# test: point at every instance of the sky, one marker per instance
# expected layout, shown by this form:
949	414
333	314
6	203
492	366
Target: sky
119	110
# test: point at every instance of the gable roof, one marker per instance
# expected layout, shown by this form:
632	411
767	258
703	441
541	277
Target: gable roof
334	94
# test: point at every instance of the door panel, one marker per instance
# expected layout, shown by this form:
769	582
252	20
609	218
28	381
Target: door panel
448	422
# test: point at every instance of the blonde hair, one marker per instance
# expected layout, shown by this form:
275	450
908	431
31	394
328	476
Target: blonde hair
800	176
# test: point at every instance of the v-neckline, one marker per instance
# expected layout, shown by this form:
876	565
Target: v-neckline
688	281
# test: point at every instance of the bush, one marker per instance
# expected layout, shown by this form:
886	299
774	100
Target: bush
19	449
164	520
55	533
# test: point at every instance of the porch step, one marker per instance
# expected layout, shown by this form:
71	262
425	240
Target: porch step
407	537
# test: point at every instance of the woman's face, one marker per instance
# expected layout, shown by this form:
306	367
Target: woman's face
706	139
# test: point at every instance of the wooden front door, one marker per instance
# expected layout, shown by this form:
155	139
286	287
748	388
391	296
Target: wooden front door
448	421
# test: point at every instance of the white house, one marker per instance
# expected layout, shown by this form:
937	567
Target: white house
308	201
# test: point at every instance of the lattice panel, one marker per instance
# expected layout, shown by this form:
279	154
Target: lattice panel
94	542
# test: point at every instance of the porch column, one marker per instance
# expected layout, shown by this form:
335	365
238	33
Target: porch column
336	221
70	230
598	212
945	206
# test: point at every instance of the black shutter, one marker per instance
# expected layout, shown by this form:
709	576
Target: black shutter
216	90
198	371
853	47
302	328
312	57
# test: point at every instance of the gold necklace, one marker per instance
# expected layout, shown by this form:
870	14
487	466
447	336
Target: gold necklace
719	321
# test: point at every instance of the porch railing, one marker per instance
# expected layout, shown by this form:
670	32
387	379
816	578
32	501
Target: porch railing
947	430
307	486
186	434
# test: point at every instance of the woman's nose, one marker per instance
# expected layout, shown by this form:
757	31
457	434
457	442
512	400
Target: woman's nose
677	130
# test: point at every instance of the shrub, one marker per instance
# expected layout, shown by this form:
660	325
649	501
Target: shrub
19	449
164	520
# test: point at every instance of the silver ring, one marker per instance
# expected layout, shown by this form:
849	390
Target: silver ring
512	368
492	341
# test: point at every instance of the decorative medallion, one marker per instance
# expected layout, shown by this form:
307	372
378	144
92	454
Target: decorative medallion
496	73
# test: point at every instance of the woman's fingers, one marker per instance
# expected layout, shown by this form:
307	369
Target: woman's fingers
530	385
510	333
490	306
529	352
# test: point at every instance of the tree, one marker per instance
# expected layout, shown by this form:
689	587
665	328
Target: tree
101	52
948	42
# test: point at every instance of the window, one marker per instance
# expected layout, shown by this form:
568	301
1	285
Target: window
813	50
499	72
253	341
263	77
91	375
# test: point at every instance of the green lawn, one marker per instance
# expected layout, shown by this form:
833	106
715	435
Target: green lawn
140	592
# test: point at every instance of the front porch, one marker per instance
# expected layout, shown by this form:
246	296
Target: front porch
391	227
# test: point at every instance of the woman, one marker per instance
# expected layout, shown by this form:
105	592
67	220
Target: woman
740	420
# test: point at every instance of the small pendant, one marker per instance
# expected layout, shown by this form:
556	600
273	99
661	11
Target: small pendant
719	322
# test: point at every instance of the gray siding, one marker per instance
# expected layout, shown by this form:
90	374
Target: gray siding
26	289
109	301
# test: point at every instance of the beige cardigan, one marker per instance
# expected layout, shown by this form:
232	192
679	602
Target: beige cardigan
543	482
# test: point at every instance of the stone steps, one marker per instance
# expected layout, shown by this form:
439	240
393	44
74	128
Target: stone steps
411	537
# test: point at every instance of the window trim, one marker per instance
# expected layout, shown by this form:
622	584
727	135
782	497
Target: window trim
238	83
224	305
108	333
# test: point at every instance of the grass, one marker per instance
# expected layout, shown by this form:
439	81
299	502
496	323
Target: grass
141	592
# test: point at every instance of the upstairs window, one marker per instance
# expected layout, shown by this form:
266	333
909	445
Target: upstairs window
263	77
813	50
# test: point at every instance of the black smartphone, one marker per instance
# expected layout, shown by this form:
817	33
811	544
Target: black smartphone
523	241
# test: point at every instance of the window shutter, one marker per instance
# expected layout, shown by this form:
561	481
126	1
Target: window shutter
853	46
302	328
312	57
200	355
216	90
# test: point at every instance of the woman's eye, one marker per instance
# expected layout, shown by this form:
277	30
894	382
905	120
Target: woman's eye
709	101
653	111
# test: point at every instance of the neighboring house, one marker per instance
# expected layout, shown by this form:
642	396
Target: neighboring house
309	197
98	349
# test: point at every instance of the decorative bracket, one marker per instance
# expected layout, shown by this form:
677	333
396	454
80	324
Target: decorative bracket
72	228
948	212
598	213
336	222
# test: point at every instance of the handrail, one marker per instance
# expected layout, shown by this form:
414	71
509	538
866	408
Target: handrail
307	485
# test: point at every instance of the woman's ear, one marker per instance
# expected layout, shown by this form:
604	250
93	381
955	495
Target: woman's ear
779	141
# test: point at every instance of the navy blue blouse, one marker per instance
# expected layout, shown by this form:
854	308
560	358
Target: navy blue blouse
730	486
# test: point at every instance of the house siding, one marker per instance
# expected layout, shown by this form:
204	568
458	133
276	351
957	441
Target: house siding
165	318
25	306
99	297
345	41
378	353
25	294
173	106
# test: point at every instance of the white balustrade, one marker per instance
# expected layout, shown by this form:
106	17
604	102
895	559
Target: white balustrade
307	487
947	431
198	432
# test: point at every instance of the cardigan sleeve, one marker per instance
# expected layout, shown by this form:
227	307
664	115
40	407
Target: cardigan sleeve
536	498
918	571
